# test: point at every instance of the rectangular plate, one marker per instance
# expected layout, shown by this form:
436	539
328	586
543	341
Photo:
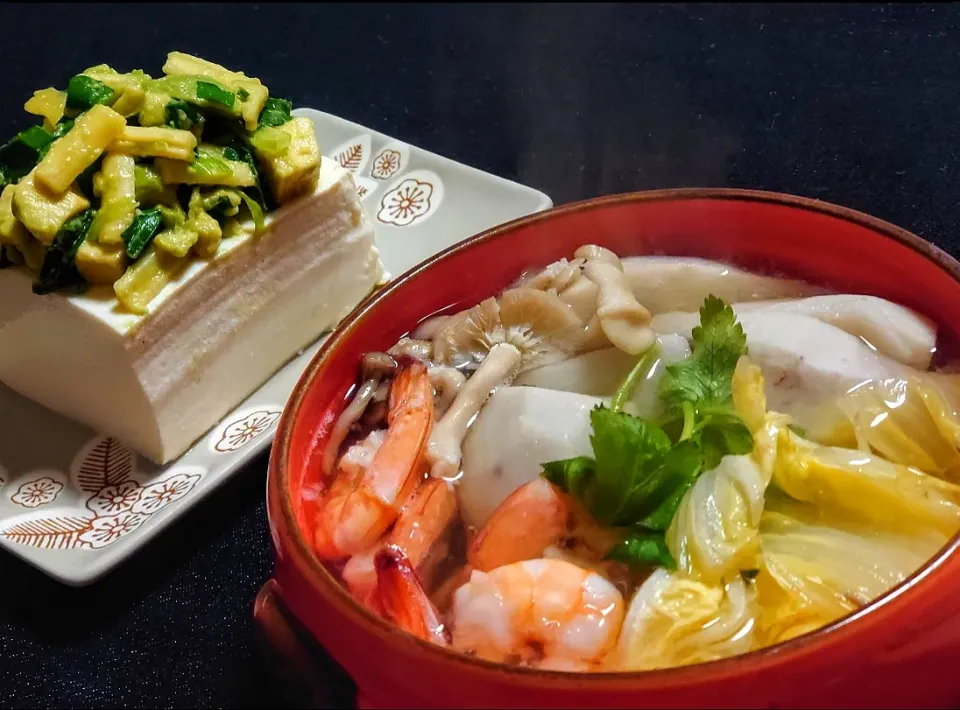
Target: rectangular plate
75	504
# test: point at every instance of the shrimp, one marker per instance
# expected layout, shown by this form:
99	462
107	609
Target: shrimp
403	599
536	520
423	520
544	613
367	491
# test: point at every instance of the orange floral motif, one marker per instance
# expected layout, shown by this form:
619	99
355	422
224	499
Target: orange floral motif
160	494
107	530
387	163
114	499
409	201
33	494
242	432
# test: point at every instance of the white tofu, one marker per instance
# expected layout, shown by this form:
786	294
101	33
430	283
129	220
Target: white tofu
158	382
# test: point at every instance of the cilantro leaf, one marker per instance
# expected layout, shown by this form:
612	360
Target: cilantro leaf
643	548
705	378
640	471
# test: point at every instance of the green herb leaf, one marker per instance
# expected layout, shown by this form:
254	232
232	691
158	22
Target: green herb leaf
573	476
59	270
705	378
643	549
84	92
243	94
214	93
275	112
137	237
628	452
722	434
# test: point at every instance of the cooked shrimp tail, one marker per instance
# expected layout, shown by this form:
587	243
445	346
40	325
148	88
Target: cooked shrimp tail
423	524
403	600
375	477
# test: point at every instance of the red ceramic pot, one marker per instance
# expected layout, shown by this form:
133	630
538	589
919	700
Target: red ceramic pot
902	650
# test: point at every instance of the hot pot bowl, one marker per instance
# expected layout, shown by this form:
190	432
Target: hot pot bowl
901	650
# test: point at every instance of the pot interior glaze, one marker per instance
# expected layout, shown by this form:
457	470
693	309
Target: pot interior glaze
915	627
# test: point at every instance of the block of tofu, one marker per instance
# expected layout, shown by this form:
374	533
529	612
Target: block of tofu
158	382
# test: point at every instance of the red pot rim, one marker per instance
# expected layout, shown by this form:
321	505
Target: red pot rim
283	517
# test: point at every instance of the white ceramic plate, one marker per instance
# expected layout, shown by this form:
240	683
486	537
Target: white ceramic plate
75	504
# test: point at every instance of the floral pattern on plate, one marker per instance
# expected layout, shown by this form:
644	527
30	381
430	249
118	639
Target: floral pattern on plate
159	495
116	504
38	491
413	197
240	432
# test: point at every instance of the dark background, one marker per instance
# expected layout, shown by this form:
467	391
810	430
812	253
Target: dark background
854	104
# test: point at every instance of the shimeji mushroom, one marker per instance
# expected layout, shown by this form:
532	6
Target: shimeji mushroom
497	369
538	324
446	382
622	319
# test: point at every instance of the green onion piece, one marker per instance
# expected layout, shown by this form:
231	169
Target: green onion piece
35	137
59	131
255	211
84	92
269	140
182	115
208	91
137	236
25	150
207	162
59	269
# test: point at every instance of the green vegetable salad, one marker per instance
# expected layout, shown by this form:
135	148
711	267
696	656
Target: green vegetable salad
129	178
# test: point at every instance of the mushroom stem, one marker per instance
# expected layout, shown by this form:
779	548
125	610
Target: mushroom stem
443	450
623	320
447	382
347	418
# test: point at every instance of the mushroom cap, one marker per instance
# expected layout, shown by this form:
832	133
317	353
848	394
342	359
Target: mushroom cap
541	326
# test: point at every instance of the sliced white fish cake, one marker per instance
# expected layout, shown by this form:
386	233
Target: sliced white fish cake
673	283
806	363
893	330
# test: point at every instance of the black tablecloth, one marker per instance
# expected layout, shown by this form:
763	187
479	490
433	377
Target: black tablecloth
854	104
